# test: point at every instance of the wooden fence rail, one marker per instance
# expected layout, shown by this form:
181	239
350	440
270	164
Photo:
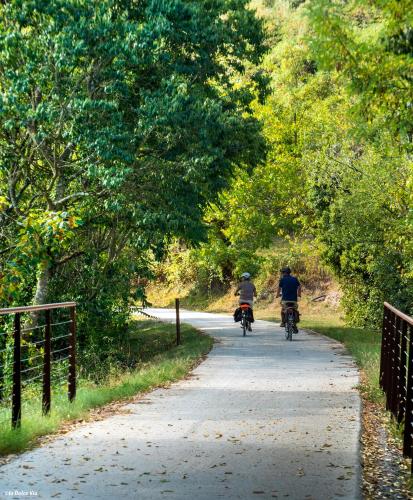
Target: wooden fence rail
396	370
45	347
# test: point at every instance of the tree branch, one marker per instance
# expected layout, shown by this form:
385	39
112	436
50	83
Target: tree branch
69	197
2	252
65	259
352	167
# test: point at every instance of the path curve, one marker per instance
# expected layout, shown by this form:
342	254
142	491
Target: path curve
260	418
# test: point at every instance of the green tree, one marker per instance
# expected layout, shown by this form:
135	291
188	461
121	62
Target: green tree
119	121
271	201
365	220
338	125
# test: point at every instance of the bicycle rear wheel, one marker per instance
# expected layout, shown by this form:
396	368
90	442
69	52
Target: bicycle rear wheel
244	324
289	327
288	332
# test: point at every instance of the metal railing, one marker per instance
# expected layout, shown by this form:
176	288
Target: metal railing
25	344
396	370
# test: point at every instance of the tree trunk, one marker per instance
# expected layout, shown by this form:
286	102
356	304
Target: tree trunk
39	296
42	287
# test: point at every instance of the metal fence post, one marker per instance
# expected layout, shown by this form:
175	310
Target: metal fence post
72	356
178	323
395	367
17	376
389	367
46	399
383	354
407	440
403	373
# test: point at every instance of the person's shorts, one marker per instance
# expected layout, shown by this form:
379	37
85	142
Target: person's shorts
285	302
250	302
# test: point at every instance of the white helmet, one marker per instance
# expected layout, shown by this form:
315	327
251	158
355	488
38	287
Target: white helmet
246	276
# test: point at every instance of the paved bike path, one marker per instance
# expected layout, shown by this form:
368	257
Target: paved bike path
260	418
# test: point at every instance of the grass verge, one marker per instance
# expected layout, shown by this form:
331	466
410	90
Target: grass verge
160	363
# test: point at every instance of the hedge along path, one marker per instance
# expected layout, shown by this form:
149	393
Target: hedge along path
261	416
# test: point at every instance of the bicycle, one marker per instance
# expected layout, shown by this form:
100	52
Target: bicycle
290	325
245	323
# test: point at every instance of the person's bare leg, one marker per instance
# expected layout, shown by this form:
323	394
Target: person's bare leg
282	317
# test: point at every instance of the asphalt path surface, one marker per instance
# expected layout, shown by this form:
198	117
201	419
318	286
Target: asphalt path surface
261	417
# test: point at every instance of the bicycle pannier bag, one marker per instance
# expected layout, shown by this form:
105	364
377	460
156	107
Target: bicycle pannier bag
250	315
238	314
297	315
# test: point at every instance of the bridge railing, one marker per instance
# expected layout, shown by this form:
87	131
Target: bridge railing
37	350
396	370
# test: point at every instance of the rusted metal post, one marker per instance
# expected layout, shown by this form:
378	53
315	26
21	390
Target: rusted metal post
178	323
387	361
383	348
17	376
403	372
389	365
72	356
46	399
395	366
407	440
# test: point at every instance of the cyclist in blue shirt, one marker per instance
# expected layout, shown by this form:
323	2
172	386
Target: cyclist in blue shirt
289	289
